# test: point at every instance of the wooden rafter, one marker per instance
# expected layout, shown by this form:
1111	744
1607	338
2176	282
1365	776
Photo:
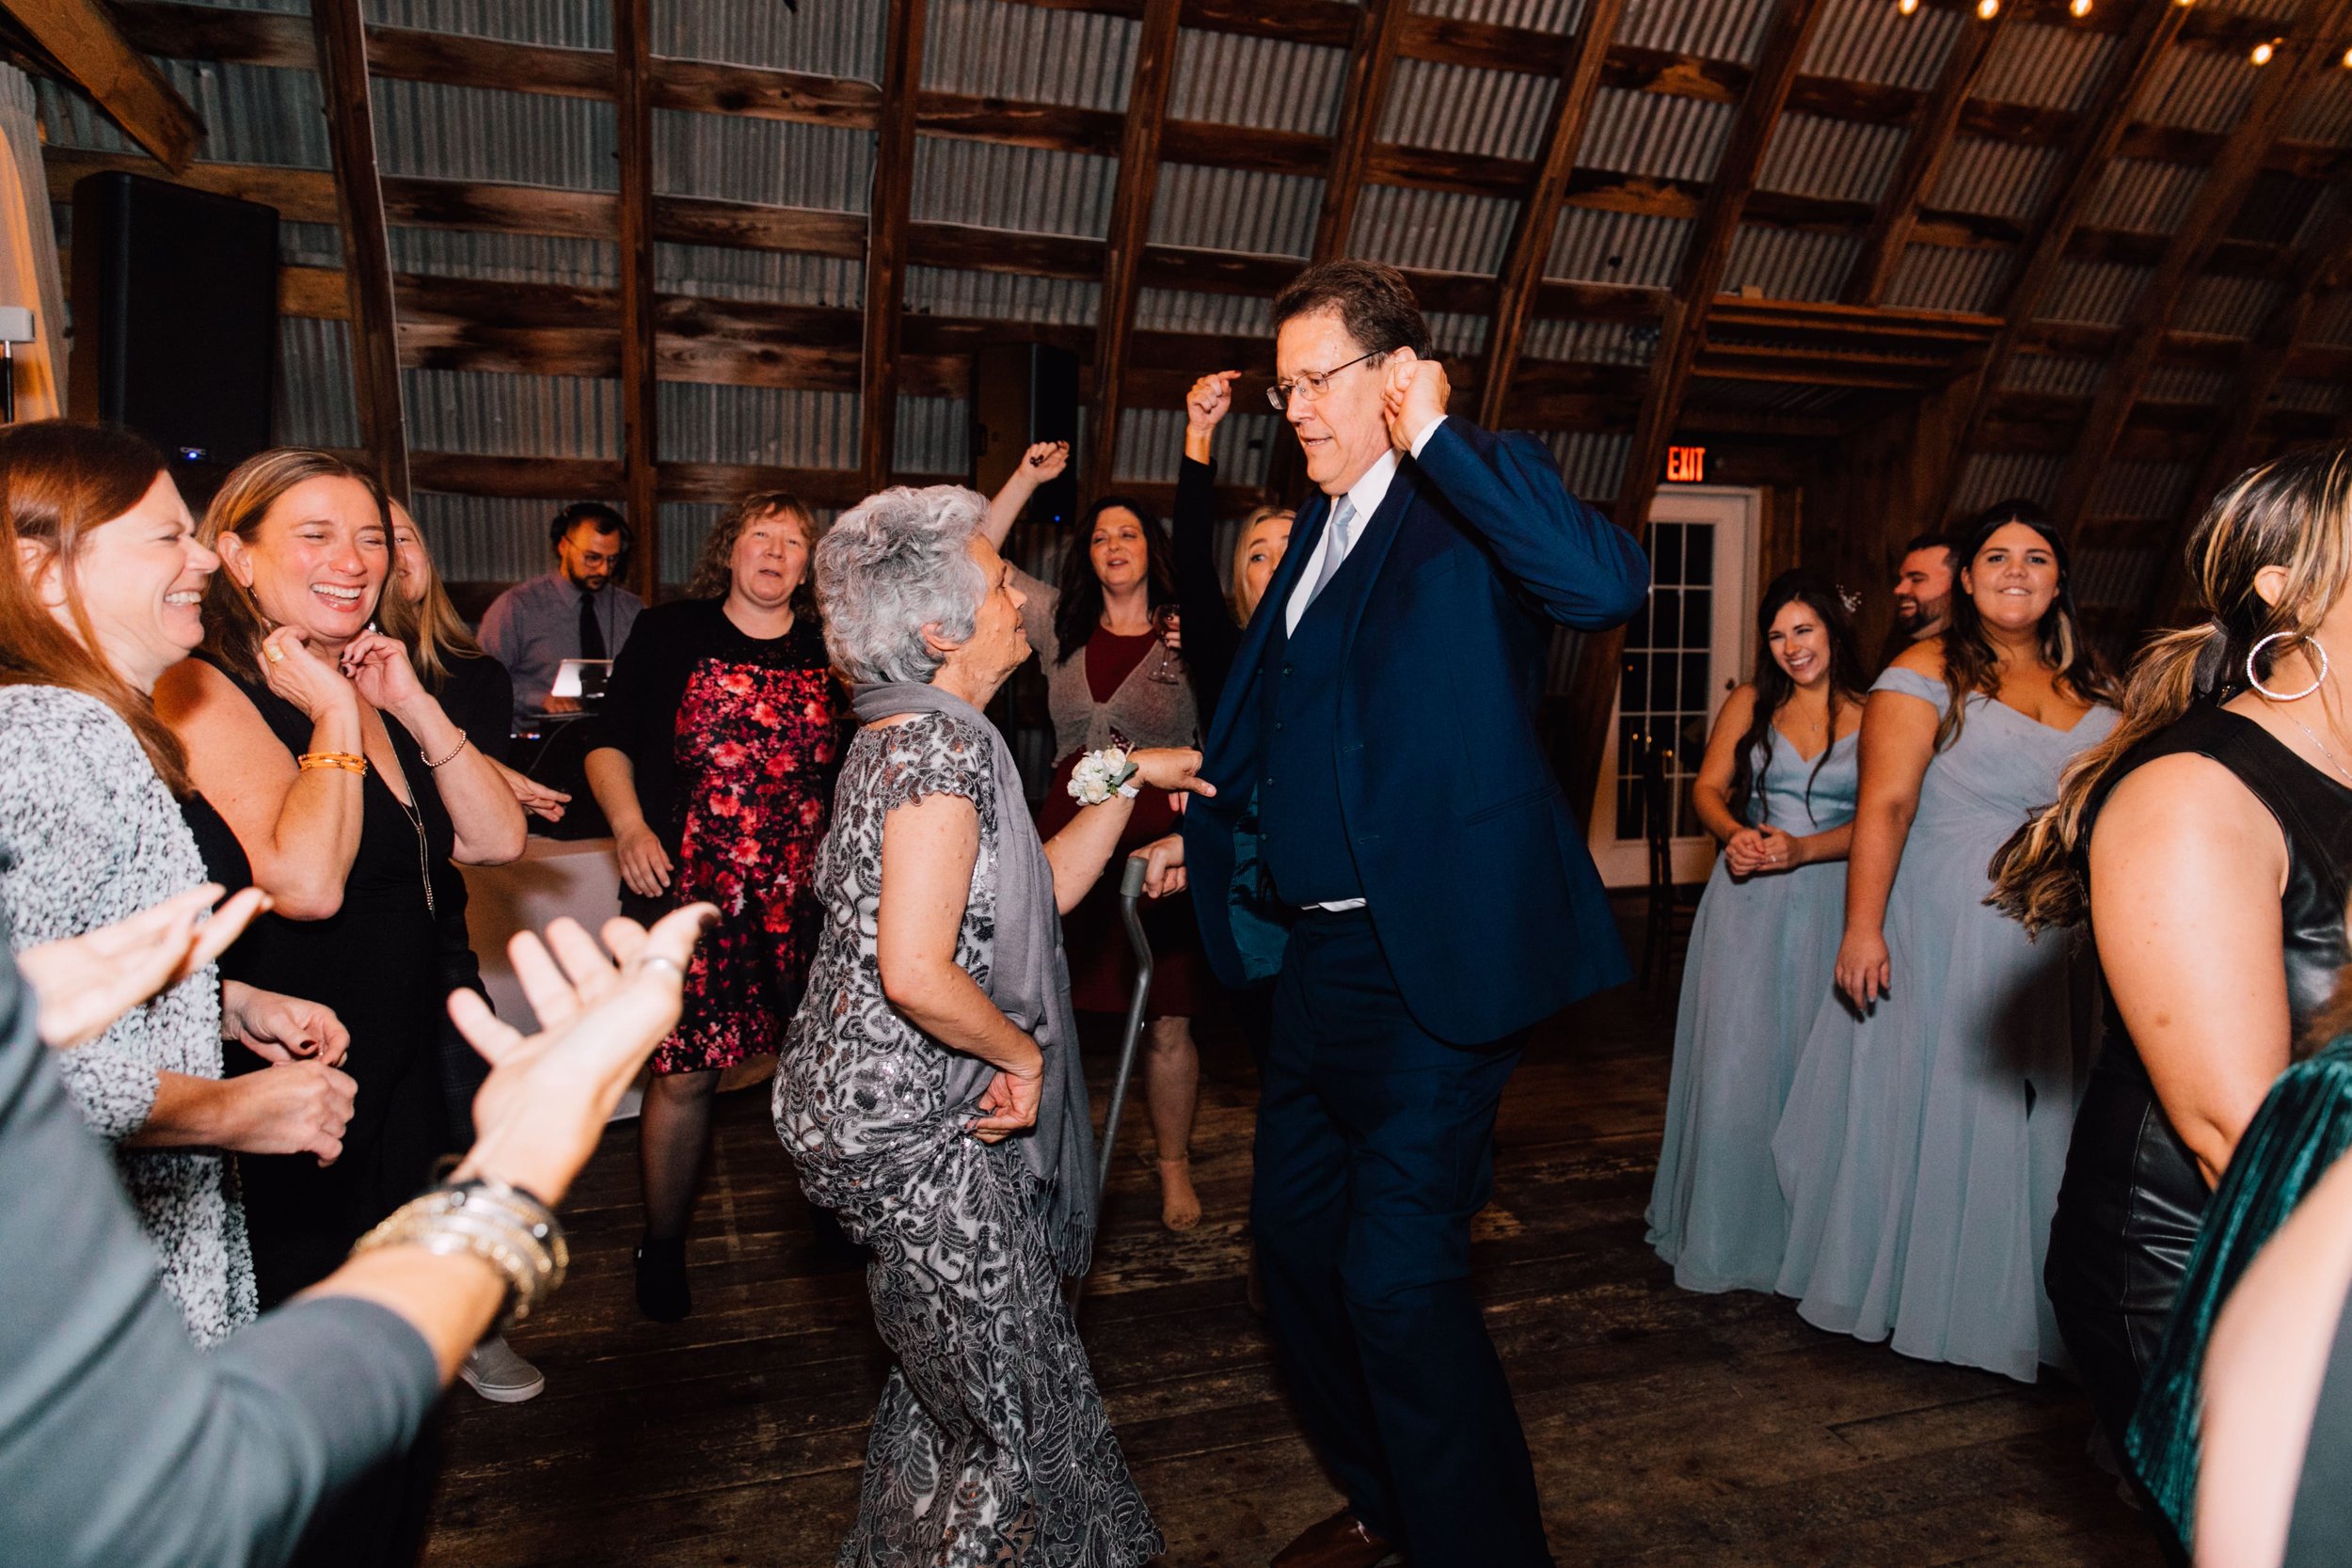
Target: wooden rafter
2261	365
1130	229
1539	213
2154	28
2308	49
632	81
1709	253
886	250
81	38
342	63
1371	61
1929	142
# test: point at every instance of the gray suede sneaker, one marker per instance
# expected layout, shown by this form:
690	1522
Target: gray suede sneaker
497	1374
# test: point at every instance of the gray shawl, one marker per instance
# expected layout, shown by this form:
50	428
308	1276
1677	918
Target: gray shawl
1028	980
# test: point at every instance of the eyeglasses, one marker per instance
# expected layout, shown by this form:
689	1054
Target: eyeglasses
1311	385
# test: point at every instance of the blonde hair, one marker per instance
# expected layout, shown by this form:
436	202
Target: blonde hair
2295	513
233	623
431	628
1233	600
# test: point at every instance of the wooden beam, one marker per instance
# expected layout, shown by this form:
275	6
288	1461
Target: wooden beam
886	246
1371	61
1130	229
1593	690
2154	28
2308	49
1539	213
367	247
1930	140
632	95
80	36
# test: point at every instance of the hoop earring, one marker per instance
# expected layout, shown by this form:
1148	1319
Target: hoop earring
2255	681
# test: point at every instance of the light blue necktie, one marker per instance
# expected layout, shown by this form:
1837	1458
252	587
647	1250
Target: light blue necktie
1335	546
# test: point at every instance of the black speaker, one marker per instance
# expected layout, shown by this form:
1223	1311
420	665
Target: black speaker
1023	393
175	318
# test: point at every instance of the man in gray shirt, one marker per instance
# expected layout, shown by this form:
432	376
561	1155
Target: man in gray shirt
575	611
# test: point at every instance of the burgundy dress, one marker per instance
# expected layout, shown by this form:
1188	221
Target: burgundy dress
1102	967
735	741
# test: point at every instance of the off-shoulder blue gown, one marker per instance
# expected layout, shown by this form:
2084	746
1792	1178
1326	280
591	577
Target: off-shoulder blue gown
1759	968
1921	1146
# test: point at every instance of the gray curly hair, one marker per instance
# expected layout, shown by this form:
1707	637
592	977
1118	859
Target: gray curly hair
893	565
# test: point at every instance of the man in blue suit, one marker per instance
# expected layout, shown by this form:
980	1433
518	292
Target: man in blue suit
1431	898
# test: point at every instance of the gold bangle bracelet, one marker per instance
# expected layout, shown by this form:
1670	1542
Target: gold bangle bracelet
344	760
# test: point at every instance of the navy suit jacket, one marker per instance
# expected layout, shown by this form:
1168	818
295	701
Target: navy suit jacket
1481	889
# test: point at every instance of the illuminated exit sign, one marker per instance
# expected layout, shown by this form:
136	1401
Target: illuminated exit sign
1685	465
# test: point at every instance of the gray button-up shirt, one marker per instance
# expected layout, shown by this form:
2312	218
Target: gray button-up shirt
534	627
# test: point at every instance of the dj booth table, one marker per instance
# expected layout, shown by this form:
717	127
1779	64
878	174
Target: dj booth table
580	877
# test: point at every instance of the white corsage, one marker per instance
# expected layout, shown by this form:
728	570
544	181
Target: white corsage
1100	775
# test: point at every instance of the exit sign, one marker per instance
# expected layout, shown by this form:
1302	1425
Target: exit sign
1685	465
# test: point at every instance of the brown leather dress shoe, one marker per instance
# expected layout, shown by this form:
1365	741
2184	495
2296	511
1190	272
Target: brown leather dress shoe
1339	1542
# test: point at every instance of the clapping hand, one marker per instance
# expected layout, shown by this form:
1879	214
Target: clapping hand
82	984
1210	399
1413	397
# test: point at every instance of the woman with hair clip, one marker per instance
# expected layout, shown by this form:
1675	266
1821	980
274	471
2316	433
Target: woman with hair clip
1777	787
344	785
1924	1134
1111	680
714	759
2208	843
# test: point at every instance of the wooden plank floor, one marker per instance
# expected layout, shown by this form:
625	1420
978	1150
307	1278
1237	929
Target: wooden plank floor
1667	1428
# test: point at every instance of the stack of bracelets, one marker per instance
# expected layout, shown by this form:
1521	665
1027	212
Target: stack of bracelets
505	1226
348	762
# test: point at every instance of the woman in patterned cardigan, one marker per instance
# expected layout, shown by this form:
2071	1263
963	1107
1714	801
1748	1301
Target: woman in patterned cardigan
100	581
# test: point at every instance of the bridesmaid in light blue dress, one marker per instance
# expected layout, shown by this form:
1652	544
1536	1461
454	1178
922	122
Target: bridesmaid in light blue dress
1765	940
1923	1140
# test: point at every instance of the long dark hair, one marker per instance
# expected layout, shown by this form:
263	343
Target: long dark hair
1971	663
1774	688
1078	603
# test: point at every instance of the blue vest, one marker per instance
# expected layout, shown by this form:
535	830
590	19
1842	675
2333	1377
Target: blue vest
1302	832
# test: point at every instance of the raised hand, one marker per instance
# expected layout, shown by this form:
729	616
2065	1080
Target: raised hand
544	1106
1413	397
83	984
1209	401
1044	462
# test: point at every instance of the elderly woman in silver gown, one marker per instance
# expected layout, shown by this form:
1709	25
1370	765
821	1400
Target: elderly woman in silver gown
930	1087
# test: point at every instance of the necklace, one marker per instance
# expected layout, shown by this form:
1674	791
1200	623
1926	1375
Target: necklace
2323	748
415	814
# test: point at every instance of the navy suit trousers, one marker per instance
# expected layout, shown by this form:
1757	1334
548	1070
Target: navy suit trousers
1374	1149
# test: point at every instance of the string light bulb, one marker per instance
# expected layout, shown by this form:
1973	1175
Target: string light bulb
2079	8
1988	9
2262	52
2347	59
1906	8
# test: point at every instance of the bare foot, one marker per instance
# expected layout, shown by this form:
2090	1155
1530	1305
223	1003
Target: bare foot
1180	1206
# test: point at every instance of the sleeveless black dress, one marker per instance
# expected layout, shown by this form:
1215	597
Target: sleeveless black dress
378	962
2132	1198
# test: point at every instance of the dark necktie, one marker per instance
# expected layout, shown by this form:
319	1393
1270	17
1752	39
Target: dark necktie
591	634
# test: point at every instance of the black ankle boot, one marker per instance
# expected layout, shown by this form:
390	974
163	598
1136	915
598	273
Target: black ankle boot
661	1293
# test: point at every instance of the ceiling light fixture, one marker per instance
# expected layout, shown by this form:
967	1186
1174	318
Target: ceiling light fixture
1907	8
2262	52
2079	7
1988	9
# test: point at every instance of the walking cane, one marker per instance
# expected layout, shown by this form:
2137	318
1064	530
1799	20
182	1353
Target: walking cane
1130	913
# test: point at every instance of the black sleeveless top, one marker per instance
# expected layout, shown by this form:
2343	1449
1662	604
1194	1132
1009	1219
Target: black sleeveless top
2133	1196
376	963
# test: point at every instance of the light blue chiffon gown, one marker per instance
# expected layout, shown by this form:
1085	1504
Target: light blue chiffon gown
1759	968
1921	1146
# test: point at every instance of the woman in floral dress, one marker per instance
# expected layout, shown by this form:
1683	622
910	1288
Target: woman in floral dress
721	733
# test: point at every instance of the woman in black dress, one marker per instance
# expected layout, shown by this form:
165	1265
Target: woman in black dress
344	784
2209	843
714	761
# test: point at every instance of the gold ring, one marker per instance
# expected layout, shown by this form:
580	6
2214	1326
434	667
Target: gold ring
274	654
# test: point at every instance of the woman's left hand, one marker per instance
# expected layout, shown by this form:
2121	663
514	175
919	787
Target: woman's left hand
1777	851
1175	768
279	1028
537	798
1009	1104
379	667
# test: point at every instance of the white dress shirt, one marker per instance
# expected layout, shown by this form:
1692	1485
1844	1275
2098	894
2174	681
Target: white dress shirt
1364	498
